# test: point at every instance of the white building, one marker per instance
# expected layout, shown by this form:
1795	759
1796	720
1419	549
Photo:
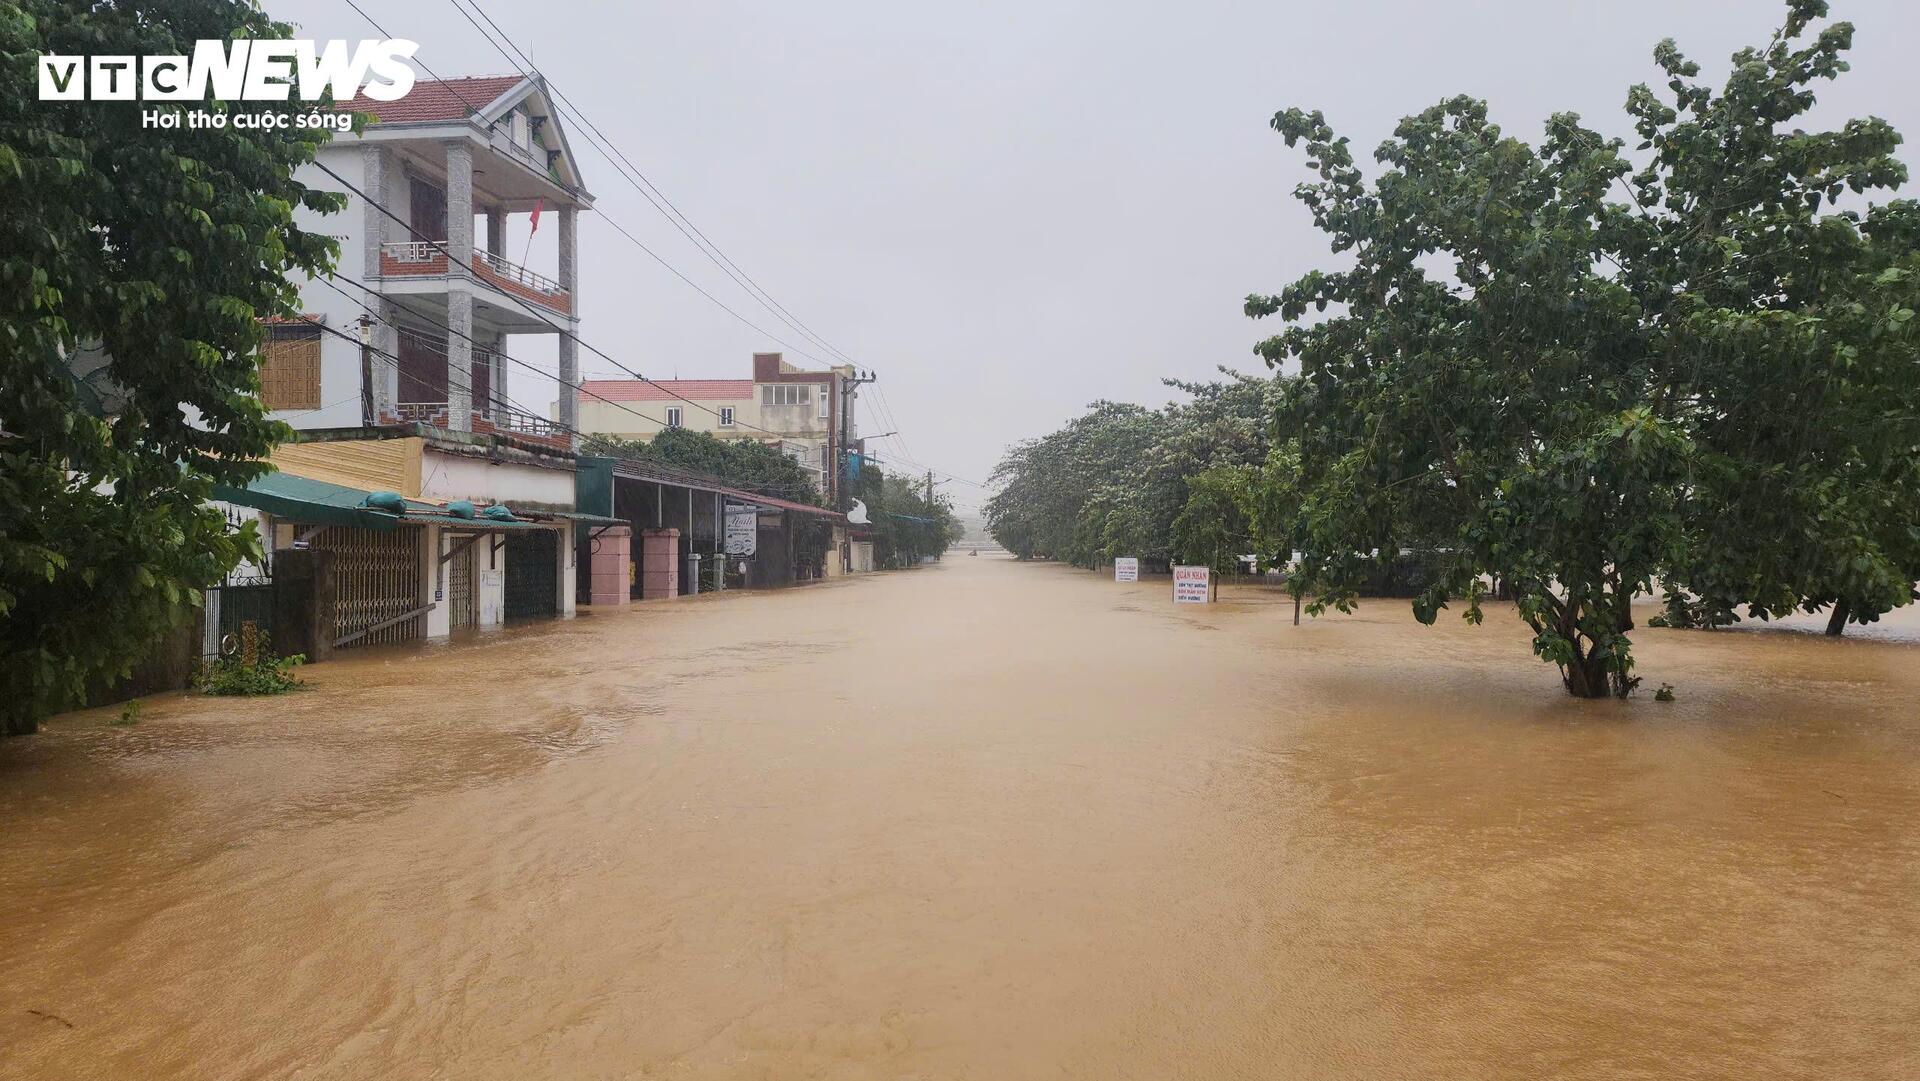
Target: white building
807	414
396	376
448	302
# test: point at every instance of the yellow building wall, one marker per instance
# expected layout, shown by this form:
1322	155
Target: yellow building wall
374	465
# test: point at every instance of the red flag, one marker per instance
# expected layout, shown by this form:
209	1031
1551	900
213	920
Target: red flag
542	201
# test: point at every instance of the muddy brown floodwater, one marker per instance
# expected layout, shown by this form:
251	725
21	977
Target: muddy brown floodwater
981	820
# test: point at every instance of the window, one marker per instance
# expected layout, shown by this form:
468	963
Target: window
823	403
826	460
427	209
290	367
726	416
423	369
785	394
673	416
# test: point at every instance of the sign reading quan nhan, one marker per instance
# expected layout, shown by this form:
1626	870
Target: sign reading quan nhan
247	69
1192	585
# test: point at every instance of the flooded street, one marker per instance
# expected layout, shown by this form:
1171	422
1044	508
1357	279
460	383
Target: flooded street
982	820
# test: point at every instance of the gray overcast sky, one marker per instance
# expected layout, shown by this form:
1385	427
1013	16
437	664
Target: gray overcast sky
1012	209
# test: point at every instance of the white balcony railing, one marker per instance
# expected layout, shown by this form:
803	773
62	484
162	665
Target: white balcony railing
413	251
427	258
518	274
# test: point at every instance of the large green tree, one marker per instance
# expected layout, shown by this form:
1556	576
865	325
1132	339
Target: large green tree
906	523
749	463
1113	481
1541	362
162	249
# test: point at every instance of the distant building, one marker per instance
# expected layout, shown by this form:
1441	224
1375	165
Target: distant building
808	415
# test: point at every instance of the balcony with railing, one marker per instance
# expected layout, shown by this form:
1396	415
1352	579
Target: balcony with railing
495	419
427	259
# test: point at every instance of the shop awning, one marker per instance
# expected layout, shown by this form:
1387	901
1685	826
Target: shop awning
301	499
318	502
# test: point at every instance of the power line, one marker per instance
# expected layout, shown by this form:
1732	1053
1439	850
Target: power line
610	151
524	304
655	256
496	395
504	400
448	83
646	187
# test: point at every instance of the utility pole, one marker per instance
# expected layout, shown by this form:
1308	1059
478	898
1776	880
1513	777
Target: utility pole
842	498
366	372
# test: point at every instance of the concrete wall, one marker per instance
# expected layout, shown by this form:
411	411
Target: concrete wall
612	556
445	476
339	358
660	563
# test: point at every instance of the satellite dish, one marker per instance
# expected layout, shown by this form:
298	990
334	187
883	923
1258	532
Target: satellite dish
858	515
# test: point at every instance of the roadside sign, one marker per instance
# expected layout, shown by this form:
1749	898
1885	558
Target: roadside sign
1126	569
743	530
1190	585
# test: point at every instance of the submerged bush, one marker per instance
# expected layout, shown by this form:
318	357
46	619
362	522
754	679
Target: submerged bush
253	670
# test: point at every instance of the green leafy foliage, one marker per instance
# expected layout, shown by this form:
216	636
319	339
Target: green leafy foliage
163	248
264	674
747	463
1573	376
1113	481
905	524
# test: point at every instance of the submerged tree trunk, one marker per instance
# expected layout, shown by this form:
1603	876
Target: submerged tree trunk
1837	622
1588	676
1595	672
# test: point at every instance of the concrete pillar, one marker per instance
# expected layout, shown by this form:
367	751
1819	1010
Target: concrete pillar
433	545
569	345
490	559
569	570
498	380
660	564
373	220
459	286
460	360
612	549
385	342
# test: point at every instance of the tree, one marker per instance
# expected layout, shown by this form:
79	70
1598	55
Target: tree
1554	387
1047	483
163	248
1215	528
905	524
755	466
1111	482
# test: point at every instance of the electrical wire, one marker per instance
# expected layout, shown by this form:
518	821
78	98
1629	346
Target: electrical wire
632	173
518	407
499	396
629	171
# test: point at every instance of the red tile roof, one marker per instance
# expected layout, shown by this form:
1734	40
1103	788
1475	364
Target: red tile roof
436	99
660	390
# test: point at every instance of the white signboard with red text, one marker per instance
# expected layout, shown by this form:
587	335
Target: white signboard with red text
1126	569
1190	585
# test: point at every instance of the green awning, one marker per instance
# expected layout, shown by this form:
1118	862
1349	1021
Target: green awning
302	499
317	502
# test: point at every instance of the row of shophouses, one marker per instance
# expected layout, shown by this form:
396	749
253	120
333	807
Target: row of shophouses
419	499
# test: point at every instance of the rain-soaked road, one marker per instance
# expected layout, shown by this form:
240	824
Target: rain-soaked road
982	820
